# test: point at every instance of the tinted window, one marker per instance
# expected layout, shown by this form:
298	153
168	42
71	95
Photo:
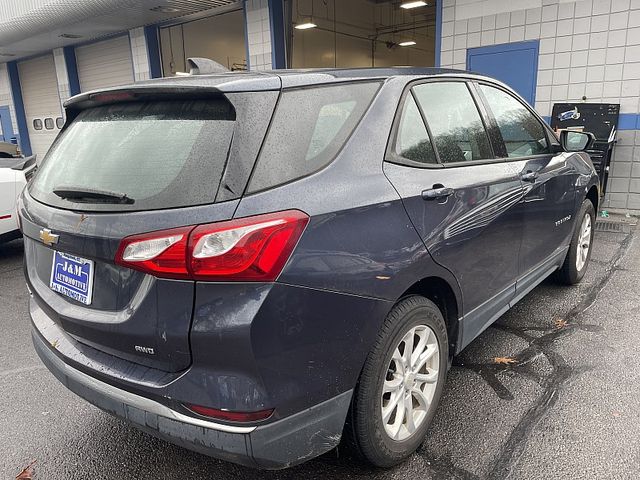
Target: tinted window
161	155
454	120
412	140
521	131
48	123
37	124
309	127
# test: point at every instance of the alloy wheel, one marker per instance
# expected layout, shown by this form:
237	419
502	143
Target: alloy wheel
584	242
410	382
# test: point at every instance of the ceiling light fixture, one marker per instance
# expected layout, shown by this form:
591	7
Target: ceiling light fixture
408	5
165	9
305	26
408	43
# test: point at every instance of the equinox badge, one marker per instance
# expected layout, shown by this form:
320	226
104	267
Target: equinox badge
47	237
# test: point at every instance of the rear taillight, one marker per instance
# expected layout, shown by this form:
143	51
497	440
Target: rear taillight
246	249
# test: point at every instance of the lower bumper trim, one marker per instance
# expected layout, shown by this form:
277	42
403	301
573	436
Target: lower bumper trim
277	445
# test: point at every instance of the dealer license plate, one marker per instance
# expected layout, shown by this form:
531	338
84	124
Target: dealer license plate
72	276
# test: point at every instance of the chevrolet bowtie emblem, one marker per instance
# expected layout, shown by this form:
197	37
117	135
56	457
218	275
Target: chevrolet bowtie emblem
47	237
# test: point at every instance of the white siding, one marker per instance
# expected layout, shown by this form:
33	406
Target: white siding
41	100
588	48
105	64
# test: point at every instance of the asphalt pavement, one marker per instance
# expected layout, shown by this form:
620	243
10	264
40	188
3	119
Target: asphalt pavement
567	408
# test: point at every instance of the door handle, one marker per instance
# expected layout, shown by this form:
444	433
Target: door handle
529	176
437	193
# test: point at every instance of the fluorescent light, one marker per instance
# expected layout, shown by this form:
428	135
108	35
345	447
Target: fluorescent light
408	43
417	4
305	26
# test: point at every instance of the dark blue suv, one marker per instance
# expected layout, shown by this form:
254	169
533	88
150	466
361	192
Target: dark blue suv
258	265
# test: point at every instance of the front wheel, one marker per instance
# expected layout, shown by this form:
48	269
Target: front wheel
577	259
400	384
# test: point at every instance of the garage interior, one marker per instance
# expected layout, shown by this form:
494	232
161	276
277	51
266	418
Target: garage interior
220	38
361	33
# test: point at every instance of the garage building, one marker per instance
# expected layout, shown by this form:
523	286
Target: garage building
550	51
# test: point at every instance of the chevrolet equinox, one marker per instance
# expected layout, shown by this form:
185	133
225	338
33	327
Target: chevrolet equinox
258	266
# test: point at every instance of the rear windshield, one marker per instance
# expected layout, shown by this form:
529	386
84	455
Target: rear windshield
309	128
158	154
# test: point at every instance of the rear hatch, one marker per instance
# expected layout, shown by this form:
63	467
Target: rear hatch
130	162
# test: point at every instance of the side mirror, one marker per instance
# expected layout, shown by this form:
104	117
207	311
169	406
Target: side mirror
572	141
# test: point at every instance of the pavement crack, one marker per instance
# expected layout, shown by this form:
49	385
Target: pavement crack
561	374
512	450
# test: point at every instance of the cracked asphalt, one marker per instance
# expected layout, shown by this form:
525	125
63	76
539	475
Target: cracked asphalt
568	408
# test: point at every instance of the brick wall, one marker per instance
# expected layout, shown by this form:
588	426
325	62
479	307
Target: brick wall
587	48
139	54
258	34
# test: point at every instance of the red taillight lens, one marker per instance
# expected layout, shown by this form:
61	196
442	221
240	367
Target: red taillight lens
230	416
254	248
246	249
163	254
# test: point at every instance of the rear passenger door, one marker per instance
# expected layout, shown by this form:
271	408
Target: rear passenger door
549	182
461	199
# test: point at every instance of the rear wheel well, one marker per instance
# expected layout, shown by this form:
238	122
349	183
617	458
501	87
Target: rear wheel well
592	195
440	292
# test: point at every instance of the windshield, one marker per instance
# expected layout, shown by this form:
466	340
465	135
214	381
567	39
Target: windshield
158	154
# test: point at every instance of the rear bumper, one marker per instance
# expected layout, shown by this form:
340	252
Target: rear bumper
277	445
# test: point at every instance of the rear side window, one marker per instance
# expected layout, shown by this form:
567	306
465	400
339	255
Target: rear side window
521	131
454	121
159	154
309	128
412	140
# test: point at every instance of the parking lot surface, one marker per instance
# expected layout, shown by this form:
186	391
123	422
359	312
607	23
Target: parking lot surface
549	391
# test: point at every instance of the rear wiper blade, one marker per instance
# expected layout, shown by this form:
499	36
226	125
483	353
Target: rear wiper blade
81	194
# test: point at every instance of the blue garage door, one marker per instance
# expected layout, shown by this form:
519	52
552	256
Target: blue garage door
515	64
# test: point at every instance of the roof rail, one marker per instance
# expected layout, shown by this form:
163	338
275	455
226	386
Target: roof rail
204	66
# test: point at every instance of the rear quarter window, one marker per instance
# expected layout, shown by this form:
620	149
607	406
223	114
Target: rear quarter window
309	128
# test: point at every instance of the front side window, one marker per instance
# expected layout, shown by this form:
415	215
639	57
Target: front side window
521	131
309	128
455	123
412	140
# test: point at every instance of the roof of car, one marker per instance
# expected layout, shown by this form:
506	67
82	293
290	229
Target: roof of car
298	77
229	82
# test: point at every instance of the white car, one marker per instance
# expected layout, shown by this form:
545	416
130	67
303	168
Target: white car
14	175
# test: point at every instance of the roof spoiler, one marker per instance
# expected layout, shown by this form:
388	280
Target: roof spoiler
204	66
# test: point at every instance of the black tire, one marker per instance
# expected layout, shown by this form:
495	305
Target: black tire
569	273
365	433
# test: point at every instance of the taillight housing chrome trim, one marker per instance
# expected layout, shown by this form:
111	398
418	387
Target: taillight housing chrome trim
245	249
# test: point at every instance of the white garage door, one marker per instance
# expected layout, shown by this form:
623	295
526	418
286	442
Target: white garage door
41	102
105	64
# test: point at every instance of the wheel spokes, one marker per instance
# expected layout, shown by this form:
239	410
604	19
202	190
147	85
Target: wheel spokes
410	382
431	377
408	412
388	409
